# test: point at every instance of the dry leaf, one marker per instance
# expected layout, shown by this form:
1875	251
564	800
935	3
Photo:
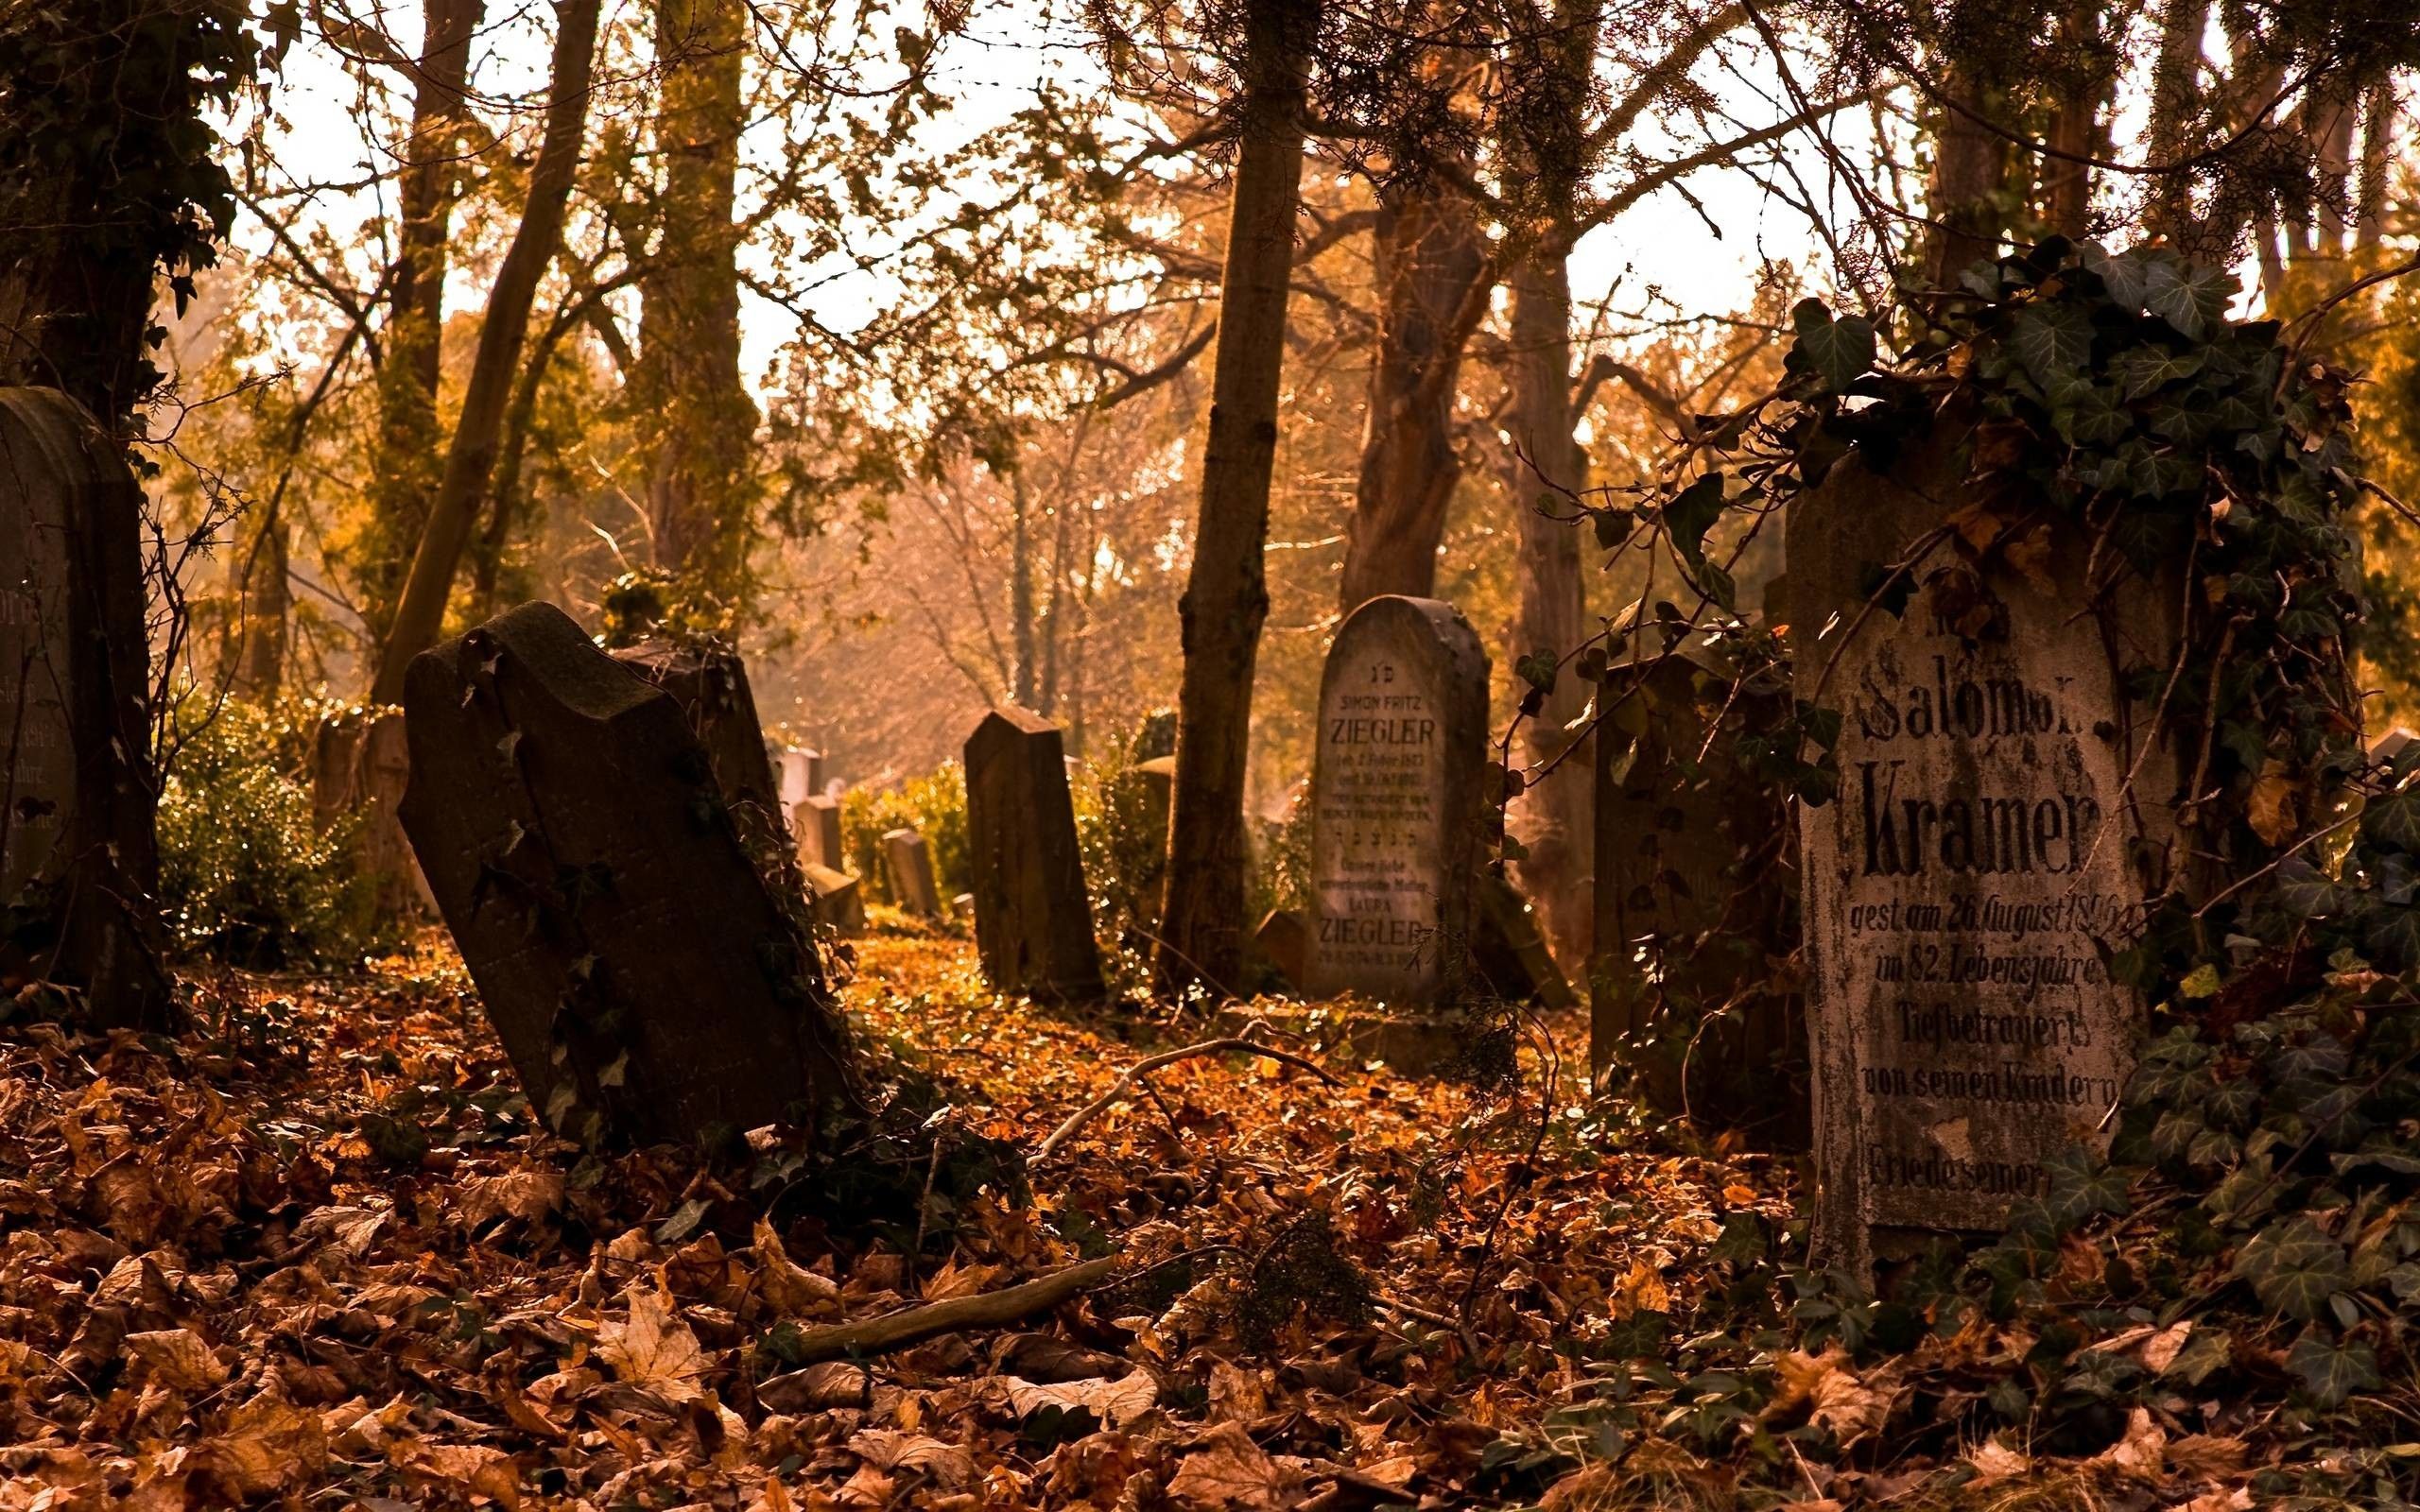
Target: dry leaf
2136	1455
267	1444
2271	810
1115	1403
525	1194
2161	1349
1229	1471
889	1450
177	1360
1995	1461
788	1288
1833	1396
654	1349
2237	1500
347	1230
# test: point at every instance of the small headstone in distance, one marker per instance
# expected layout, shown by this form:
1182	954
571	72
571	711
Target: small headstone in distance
2390	745
797	773
2004	811
646	981
1284	942
1397	806
909	863
1033	918
709	681
818	823
838	902
1154	737
1510	954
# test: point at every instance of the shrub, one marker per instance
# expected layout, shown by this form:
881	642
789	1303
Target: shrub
1121	830
246	875
933	806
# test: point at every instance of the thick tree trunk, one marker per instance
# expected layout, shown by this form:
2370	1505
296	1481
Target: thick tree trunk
420	614
1556	819
1226	595
2378	143
689	376
403	471
1969	169
2176	99
2065	185
1428	254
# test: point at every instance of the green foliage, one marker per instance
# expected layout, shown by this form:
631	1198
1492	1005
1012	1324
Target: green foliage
934	806
1121	829
247	876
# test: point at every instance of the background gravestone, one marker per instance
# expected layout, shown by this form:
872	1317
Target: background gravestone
1033	921
818	823
1979	867
1696	902
909	863
798	774
644	979
77	843
837	901
1397	806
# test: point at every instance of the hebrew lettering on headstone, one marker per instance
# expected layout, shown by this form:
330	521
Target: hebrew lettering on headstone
1985	857
644	979
1397	806
1033	918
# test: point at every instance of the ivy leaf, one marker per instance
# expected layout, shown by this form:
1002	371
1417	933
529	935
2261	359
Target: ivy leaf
2396	821
2087	413
2082	1185
2187	296
1614	527
2121	274
2394	931
1691	514
1839	352
2304	890
2293	1267
2333	1372
2141	369
1537	669
2052	340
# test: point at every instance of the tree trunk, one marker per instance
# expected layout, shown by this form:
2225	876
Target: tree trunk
403	471
268	599
420	615
2065	186
688	377
1969	168
2378	143
1226	595
1428	254
2176	99
1555	818
1022	673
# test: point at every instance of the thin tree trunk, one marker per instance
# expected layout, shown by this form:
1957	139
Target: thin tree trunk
1969	168
1226	594
420	615
689	377
1429	253
2176	99
404	471
2065	184
1021	627
2377	145
268	599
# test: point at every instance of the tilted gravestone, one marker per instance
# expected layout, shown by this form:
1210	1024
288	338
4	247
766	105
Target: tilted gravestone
709	681
1398	806
77	846
644	979
1508	950
1284	942
816	820
838	902
1986	855
1693	907
908	864
1033	919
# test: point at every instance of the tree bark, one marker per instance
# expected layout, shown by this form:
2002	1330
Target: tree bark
420	614
267	600
2065	185
403	471
1024	674
1428	254
1969	168
688	373
2377	143
1226	594
2176	99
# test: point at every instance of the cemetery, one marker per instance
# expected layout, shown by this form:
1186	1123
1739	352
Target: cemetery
1206	760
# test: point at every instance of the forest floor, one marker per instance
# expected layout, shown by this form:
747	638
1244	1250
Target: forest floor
314	1252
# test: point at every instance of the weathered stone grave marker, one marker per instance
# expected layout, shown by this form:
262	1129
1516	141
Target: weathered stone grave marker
644	979
818	823
1967	886
1033	919
837	902
709	681
1284	942
798	774
1397	806
908	862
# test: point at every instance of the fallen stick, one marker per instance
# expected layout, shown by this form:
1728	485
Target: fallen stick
1208	1047
913	1325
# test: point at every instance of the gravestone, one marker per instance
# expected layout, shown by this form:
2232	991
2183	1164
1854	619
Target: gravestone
360	763
1397	807
838	902
1984	859
644	979
909	863
709	681
79	848
798	774
1284	942
1033	919
818	823
1509	951
1693	904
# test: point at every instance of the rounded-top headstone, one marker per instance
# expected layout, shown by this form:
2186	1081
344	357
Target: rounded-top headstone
1398	805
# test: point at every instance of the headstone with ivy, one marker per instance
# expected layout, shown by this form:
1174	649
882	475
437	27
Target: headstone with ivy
907	864
1399	808
709	681
1989	560
1033	919
1690	997
647	982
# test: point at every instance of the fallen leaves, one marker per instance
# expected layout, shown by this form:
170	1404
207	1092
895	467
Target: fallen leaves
1227	1472
653	1347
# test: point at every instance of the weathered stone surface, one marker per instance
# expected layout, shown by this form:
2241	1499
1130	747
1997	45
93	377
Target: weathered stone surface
644	979
1284	942
1397	805
1033	918
1693	902
360	763
1984	857
798	773
1508	950
837	902
908	864
709	681
817	821
78	845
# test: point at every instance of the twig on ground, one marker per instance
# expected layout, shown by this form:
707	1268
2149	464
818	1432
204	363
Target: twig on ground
986	1309
1093	1109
